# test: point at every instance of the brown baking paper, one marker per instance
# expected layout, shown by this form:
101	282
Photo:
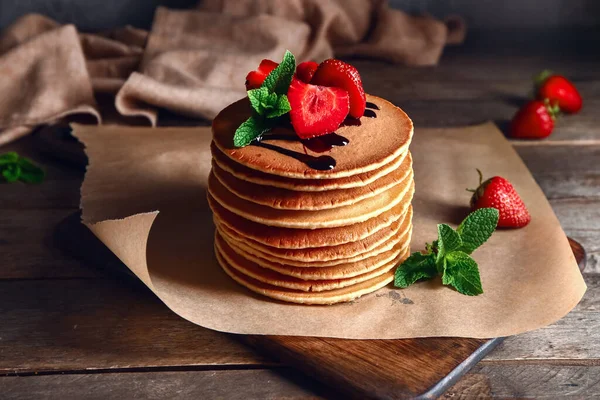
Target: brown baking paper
144	197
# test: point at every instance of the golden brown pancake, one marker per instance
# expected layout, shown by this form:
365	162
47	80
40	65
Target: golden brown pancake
302	238
373	144
326	253
294	200
307	185
348	293
398	240
345	270
341	216
253	270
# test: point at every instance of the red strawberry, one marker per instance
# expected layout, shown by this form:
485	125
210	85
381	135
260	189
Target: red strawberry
306	70
337	73
498	193
316	110
559	90
535	120
255	78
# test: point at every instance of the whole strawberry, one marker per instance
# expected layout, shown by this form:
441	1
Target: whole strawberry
500	194
535	120
559	90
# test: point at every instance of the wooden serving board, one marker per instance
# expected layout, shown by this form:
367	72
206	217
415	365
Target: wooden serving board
421	368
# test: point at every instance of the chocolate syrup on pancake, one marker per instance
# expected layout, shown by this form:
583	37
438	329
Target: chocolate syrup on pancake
321	163
321	144
372	106
369	114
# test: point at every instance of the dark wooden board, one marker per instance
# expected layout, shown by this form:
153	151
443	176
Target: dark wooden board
382	369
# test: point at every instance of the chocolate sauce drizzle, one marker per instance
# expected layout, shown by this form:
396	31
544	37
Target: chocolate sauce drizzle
321	163
318	144
372	106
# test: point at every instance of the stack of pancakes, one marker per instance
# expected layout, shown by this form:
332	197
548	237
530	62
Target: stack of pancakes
301	235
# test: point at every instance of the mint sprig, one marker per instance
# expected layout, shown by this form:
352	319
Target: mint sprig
449	255
15	168
269	102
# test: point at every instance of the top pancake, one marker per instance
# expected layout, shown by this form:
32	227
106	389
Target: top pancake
374	143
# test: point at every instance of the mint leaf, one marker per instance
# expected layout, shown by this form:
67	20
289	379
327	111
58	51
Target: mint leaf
278	81
30	173
259	99
248	131
9	158
282	106
417	266
448	241
477	228
11	172
462	273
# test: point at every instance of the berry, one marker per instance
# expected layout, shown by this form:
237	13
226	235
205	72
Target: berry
535	120
559	90
306	70
316	110
255	78
500	194
336	73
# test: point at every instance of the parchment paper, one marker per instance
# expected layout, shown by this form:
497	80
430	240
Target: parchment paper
144	197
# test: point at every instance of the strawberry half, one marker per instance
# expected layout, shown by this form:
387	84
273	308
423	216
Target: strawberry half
306	70
336	73
316	110
500	194
255	78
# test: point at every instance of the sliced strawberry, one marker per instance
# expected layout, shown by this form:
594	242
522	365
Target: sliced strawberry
306	70
336	73
255	78
316	110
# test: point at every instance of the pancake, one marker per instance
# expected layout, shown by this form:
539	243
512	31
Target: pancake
372	144
401	239
302	238
341	216
271	277
348	293
294	200
306	185
345	270
326	253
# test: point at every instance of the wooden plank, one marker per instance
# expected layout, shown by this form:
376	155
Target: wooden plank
193	385
579	218
564	171
66	325
522	381
29	250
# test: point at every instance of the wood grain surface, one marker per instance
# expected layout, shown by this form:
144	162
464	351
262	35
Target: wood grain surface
70	330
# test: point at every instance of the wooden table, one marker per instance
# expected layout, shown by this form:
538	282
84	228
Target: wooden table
68	330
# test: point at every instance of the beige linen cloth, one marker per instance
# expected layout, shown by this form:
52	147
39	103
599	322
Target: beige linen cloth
192	62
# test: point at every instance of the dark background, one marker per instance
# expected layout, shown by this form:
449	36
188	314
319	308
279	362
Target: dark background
482	15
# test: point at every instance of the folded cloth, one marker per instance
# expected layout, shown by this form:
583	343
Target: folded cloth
193	62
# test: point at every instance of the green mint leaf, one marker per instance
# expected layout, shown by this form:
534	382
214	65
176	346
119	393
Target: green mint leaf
417	266
9	158
448	241
248	131
259	99
282	106
30	172
462	273
278	81
11	172
477	228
